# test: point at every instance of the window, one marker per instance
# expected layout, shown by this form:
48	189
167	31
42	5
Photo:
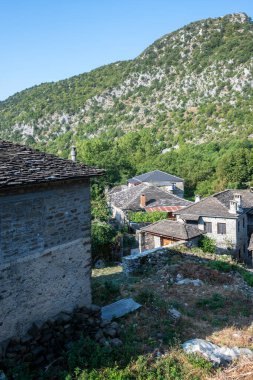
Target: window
243	222
221	228
238	225
208	227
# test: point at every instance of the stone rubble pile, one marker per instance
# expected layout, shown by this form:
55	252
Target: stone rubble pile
46	342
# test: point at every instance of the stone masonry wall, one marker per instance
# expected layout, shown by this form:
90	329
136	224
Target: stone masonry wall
135	263
32	222
45	256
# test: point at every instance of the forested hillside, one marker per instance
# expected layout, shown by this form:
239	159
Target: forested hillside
184	105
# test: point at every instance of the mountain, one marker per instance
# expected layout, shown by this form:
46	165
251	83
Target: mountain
193	85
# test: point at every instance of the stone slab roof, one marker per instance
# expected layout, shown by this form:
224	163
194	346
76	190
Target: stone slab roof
21	166
173	229
129	199
154	177
217	205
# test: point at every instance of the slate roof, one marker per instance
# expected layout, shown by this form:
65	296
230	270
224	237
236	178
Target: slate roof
129	199
173	229
21	166
217	205
154	177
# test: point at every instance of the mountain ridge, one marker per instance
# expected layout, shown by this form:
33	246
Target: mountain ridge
191	85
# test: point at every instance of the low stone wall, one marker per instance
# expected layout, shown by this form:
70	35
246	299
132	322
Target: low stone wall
134	263
46	343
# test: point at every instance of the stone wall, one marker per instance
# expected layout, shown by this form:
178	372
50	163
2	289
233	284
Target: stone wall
34	221
151	257
45	256
47	343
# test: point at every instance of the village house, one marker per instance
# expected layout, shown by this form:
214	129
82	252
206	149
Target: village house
226	217
45	237
166	181
167	232
144	197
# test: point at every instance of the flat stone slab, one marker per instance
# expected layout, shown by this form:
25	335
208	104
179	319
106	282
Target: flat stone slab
119	308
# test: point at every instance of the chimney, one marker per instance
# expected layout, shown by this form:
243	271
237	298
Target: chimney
142	200
197	198
232	207
73	153
238	199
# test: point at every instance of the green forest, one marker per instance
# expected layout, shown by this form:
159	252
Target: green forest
206	168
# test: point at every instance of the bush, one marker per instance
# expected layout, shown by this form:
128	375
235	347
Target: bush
102	238
207	244
145	217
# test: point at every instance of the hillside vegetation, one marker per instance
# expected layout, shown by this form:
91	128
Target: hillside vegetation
174	107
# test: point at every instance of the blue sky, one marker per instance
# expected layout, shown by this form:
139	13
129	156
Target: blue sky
48	40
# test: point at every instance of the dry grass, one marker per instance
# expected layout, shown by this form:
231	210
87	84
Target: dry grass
232	336
108	271
240	370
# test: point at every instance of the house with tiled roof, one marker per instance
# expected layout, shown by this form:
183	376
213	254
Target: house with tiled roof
227	218
166	232
144	197
45	258
166	181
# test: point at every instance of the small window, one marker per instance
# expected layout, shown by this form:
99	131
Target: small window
243	222
221	228
238	225
208	227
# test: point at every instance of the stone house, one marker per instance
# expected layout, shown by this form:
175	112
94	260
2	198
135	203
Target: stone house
166	181
167	232
227	218
144	197
44	237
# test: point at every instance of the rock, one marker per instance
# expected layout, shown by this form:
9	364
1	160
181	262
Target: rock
215	354
37	350
2	375
104	342
105	323
26	339
174	314
34	330
99	335
115	326
116	342
63	317
119	308
95	308
109	331
99	264
189	281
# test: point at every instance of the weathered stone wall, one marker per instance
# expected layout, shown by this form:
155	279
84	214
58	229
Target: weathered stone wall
47	343
135	263
37	220
45	256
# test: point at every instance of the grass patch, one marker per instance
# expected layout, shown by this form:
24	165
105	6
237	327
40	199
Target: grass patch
105	292
216	301
225	266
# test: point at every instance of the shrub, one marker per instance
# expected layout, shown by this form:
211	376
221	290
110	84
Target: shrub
207	244
142	217
102	239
